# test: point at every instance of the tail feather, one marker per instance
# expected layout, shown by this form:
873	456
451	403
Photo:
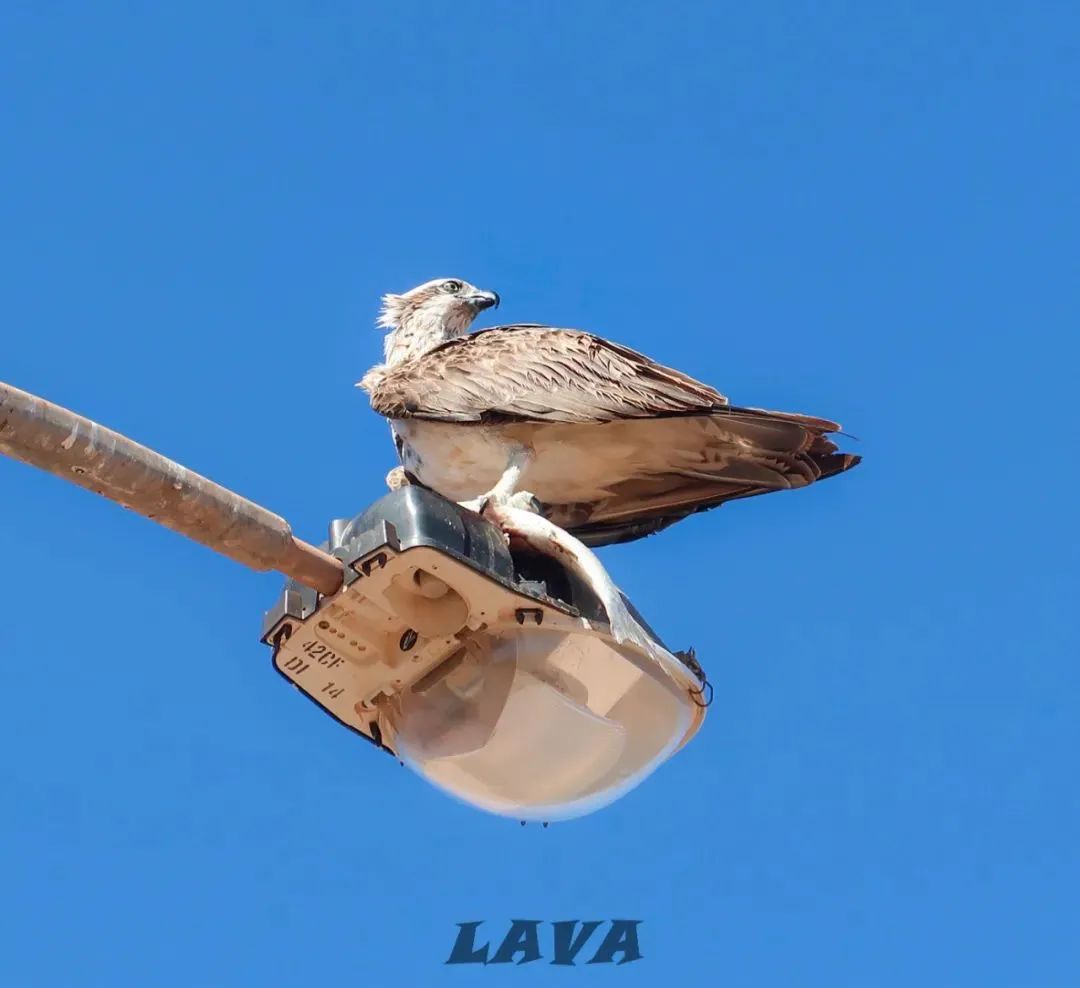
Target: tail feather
751	452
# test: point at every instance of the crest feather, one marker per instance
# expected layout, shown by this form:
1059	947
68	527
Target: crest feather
390	314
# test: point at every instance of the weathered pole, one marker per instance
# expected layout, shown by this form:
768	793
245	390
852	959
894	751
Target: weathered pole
55	439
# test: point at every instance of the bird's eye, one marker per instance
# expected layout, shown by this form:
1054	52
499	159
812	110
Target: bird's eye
453	287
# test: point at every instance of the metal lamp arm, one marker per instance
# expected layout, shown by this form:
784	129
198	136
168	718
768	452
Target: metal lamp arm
55	439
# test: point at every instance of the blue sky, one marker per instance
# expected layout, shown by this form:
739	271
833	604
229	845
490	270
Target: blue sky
862	211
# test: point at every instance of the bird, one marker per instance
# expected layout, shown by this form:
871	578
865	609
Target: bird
601	440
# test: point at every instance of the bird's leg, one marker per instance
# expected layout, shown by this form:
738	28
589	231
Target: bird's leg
503	494
505	491
542	536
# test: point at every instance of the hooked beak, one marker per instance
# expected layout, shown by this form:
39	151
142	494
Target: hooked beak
484	300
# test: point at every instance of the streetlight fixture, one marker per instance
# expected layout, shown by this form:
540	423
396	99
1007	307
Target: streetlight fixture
498	674
515	676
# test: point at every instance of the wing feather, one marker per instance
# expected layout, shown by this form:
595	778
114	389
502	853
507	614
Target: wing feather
536	374
554	377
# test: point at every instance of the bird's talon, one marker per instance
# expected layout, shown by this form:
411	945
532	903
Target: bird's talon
396	479
524	501
489	503
478	504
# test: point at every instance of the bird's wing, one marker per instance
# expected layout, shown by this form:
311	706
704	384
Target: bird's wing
652	444
647	474
533	373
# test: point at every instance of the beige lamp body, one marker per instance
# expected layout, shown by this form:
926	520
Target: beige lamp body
508	699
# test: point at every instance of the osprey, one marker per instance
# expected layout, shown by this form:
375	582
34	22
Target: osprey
602	441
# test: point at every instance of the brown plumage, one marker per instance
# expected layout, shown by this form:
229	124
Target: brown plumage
618	446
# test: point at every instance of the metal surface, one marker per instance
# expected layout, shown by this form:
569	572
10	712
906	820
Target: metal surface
52	438
344	651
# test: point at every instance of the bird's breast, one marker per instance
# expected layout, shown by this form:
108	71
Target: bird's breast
570	463
459	461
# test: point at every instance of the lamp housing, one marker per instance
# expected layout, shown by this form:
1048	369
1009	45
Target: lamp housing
496	674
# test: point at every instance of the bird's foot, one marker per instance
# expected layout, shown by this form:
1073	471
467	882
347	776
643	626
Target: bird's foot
489	503
397	478
522	500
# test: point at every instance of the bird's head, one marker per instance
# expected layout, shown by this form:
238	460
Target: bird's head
430	314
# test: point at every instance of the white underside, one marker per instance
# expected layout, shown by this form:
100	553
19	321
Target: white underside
569	462
462	462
